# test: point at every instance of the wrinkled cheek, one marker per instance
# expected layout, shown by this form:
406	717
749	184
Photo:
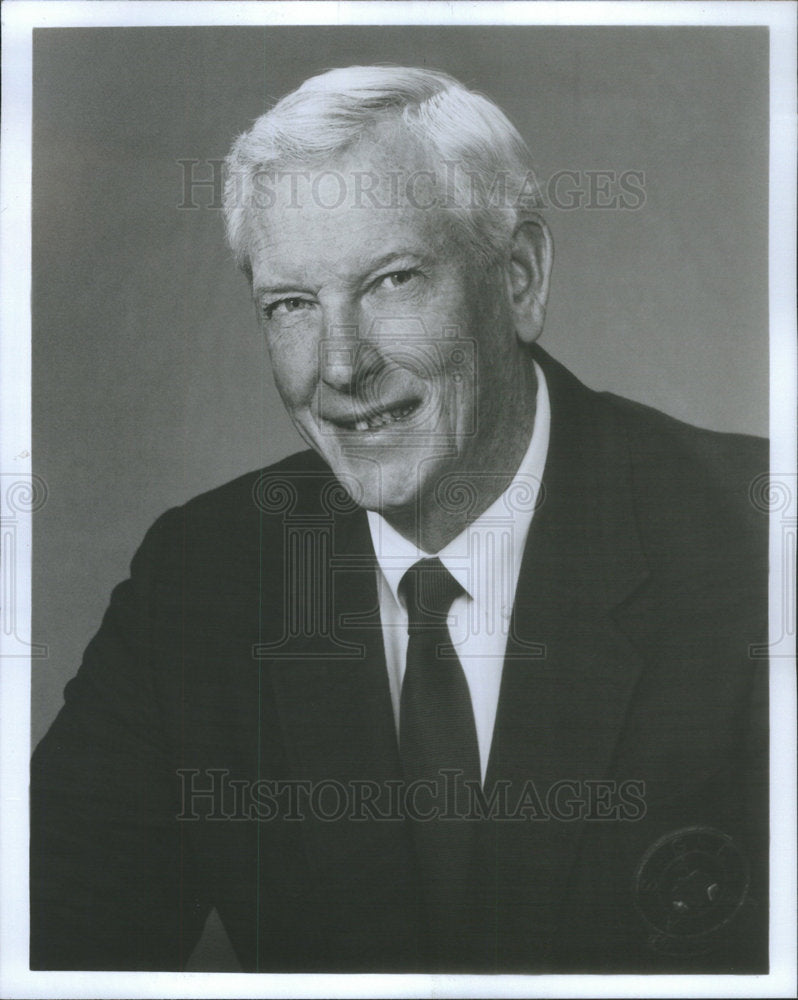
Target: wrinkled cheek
295	373
460	406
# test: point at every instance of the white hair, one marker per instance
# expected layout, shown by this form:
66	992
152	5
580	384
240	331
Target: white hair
329	112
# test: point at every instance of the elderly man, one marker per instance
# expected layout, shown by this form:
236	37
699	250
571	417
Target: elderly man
469	686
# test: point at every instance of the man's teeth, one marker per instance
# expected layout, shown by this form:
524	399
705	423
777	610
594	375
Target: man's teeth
384	417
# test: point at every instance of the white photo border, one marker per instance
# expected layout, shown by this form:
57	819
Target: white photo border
19	18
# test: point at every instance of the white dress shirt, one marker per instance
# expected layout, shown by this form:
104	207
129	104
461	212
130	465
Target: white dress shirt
485	559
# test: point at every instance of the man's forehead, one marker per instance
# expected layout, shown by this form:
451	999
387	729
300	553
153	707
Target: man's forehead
381	196
349	243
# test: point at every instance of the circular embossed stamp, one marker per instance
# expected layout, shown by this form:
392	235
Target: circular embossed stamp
688	888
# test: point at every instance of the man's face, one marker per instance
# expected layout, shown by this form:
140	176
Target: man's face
391	347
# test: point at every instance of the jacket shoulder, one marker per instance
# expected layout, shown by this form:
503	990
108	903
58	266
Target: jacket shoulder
697	494
720	450
301	469
230	522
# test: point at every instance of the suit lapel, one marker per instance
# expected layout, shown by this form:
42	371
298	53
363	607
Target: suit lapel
337	722
569	671
332	684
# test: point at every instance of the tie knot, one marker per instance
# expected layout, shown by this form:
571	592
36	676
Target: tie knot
429	590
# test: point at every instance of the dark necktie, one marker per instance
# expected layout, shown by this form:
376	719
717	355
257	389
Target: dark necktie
438	745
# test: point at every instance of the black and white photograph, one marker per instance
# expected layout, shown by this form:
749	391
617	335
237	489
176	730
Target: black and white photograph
399	501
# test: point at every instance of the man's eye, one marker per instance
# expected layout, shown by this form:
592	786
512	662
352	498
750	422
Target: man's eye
285	306
397	278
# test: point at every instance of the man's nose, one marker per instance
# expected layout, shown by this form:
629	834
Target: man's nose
339	355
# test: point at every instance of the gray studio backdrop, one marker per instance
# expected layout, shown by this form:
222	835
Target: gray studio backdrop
150	381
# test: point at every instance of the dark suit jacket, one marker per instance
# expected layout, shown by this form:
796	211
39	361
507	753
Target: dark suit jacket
246	647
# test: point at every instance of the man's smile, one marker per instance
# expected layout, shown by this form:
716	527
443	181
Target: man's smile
376	418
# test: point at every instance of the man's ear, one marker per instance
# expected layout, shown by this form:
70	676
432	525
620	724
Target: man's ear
528	273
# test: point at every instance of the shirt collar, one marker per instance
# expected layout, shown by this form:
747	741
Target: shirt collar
395	554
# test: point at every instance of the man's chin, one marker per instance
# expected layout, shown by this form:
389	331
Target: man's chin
371	485
371	497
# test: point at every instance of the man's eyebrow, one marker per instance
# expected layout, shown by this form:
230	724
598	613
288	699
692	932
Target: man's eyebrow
391	256
366	270
275	289
373	267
